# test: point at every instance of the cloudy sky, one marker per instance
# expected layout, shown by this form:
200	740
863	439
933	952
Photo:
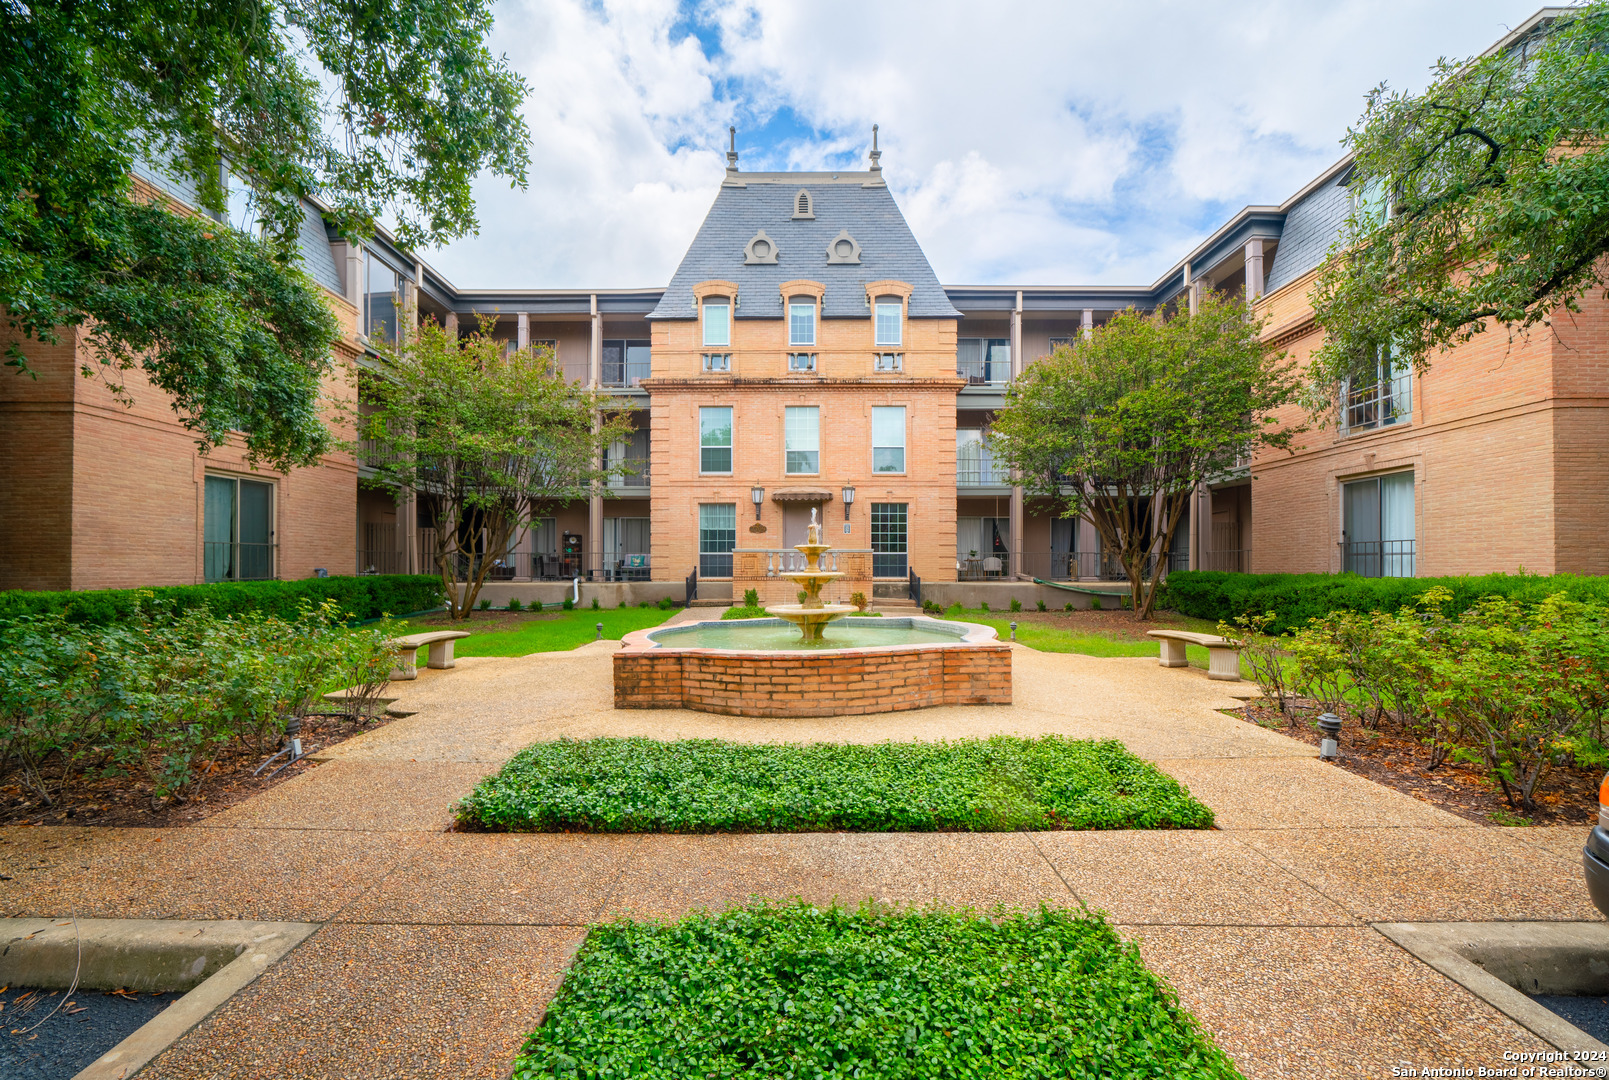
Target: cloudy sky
1028	143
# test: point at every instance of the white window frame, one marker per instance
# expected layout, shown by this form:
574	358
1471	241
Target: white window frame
788	450
729	447
725	304
903	438
795	310
879	307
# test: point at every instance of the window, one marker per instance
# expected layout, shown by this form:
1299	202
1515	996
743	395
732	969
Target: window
625	363
717	536
545	536
801	361
632	452
1370	204
802	438
715	439
380	299
802	322
983	361
717	361
888	362
238	531
242	213
890	320
625	548
1378	539
974	463
888	439
1379	395
718	322
888	540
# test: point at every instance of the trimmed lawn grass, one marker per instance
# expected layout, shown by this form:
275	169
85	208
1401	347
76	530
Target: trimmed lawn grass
798	991
1045	638
552	631
1001	784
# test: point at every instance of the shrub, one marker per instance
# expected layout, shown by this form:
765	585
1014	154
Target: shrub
1040	604
164	691
742	611
568	605
1016	605
514	603
859	600
751	598
803	596
485	603
368	597
645	605
953	609
666	603
1094	603
1296	598
597	605
931	607
1263	656
1005	783
983	605
1069	606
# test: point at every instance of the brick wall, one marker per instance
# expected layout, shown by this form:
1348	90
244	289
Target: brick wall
783	685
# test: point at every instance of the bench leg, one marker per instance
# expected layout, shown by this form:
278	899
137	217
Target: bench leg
1173	653
441	654
406	667
1223	664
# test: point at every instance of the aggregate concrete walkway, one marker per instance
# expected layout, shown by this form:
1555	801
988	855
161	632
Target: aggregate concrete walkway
440	950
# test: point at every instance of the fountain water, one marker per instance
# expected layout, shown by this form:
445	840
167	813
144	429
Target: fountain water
811	615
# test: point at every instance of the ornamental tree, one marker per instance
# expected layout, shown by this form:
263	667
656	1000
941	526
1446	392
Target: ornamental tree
372	108
488	438
1121	426
1481	203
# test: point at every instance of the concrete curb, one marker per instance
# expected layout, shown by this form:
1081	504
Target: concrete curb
1553	958
212	960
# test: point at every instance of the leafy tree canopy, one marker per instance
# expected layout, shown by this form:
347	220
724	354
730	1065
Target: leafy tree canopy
1124	424
1483	201
377	106
489	438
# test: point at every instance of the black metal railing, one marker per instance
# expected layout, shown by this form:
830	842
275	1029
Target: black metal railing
636	475
1380	404
622	373
1058	566
984	372
692	587
227	560
1378	558
627	566
915	588
382	561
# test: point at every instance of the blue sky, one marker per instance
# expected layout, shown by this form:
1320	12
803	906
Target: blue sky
1027	143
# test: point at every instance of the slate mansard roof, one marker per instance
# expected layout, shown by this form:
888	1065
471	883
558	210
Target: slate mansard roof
855	202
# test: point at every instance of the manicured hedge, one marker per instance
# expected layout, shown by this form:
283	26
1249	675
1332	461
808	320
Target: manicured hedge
1296	598
362	597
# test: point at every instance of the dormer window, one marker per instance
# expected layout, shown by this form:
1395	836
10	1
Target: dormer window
801	321
717	322
803	205
889	317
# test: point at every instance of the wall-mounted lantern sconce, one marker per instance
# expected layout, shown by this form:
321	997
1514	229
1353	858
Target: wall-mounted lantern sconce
849	497
758	495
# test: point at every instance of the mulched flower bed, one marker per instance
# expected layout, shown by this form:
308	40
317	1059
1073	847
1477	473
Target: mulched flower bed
1568	795
129	800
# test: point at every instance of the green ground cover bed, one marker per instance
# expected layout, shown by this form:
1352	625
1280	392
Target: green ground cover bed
799	991
547	631
1001	784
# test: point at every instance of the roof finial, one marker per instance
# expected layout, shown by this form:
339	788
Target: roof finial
876	153
731	150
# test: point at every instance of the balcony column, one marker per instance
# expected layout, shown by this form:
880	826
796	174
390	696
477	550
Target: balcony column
1087	324
522	332
1014	571
1192	289
594	563
451	325
1254	270
408	508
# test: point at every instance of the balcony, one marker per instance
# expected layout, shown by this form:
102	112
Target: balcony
1378	558
635	477
980	470
983	361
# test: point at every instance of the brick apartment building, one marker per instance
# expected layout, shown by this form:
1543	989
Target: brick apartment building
804	357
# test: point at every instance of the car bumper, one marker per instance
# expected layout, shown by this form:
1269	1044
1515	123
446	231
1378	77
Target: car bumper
1595	862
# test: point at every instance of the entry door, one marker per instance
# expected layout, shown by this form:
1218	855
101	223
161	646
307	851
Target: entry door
796	522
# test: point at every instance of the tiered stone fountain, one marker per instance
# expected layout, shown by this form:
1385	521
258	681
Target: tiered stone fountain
811	615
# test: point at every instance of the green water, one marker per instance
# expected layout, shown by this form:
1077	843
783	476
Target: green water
776	634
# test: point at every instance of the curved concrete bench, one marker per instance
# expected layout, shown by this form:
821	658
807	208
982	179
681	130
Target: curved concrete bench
441	652
1223	655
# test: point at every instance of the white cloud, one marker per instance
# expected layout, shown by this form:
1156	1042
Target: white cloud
1026	142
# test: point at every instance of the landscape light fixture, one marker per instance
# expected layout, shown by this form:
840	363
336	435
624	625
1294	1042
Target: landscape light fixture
600	631
849	497
758	495
1013	631
1330	726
